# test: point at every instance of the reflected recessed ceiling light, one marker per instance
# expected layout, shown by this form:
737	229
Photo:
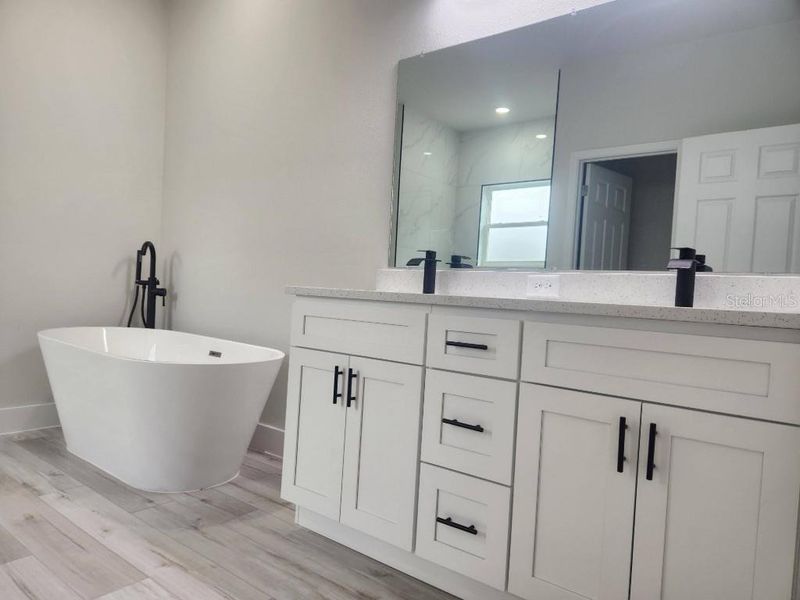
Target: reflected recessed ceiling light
502	110
427	153
541	136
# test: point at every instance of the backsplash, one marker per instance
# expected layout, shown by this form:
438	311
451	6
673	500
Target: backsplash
774	293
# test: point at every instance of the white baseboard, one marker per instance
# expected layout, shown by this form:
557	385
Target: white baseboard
27	418
269	439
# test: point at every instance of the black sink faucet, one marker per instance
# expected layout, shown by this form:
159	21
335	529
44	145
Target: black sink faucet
687	265
150	285
456	262
429	277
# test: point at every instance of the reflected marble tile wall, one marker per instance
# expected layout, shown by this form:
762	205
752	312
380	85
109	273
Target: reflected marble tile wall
504	154
427	192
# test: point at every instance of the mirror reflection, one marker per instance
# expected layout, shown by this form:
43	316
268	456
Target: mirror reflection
476	155
602	139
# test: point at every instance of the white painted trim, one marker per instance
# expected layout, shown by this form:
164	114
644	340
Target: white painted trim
16	419
411	564
578	159
268	439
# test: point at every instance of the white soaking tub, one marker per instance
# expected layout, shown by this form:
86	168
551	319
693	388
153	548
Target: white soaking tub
162	411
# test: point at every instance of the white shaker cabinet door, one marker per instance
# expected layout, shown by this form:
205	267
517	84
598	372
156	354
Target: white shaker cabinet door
716	509
575	484
382	449
315	422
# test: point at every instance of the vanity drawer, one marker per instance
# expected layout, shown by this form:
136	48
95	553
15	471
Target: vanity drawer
373	329
468	424
742	377
463	524
474	345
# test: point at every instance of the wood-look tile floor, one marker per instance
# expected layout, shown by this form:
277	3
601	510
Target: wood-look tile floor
68	531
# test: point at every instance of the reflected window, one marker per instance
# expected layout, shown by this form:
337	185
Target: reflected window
514	219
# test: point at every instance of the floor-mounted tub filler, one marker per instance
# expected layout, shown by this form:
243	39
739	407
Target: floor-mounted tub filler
160	410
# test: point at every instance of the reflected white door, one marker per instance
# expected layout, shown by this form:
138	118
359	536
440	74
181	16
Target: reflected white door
718	518
737	199
605	229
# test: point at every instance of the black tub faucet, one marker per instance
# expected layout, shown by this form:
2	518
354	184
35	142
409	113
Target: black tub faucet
149	285
429	277
456	262
687	265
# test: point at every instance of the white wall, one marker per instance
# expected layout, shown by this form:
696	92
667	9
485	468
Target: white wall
82	98
279	147
741	80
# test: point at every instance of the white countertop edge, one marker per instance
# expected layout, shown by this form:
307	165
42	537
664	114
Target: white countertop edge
749	318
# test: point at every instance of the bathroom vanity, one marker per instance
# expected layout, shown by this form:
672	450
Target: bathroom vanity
544	449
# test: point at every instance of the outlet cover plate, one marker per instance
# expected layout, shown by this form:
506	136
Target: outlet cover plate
543	286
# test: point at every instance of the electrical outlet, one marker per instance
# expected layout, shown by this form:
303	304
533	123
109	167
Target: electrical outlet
543	286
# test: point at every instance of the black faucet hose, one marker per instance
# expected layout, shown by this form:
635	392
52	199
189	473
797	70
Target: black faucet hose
133	306
144	299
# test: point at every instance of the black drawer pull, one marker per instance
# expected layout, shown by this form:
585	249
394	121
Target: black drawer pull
351	375
651	451
467	345
336	393
450	523
623	426
457	423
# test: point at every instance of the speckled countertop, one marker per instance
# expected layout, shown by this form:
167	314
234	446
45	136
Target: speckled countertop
750	318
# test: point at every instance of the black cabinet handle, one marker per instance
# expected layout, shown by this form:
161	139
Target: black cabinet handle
450	523
623	426
651	451
467	345
351	375
457	423
336	393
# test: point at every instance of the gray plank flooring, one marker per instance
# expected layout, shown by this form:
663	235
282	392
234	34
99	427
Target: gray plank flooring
69	531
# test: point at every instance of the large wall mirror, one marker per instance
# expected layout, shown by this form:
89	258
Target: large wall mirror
601	139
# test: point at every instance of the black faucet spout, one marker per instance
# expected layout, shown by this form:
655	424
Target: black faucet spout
147	247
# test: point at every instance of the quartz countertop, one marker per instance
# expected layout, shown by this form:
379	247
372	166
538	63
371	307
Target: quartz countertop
749	317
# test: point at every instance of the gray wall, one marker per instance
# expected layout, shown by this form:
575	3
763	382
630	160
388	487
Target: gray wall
741	80
279	147
81	157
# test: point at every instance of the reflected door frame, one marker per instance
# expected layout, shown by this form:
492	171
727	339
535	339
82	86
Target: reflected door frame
577	165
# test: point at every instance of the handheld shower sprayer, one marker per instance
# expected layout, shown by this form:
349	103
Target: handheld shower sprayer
150	289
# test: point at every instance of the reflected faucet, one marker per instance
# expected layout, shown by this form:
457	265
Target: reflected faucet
149	285
457	262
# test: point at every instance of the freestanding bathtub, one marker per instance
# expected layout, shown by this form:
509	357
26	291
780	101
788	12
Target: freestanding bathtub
160	410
